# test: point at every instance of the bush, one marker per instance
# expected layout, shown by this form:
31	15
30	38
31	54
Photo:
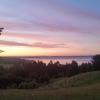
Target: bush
28	85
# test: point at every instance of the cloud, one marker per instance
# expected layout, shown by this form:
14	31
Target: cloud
52	26
12	43
37	22
37	44
24	35
15	25
45	45
74	10
81	13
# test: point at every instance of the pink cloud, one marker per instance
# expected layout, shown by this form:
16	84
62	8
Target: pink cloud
37	44
24	35
13	25
48	24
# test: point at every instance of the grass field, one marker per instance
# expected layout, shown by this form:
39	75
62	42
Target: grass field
81	87
85	79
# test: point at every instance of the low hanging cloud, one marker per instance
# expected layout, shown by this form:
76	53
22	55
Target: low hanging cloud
37	44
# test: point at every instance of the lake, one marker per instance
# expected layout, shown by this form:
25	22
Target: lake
61	59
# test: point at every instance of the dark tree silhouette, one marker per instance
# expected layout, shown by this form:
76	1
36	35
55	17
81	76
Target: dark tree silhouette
1	51
86	67
1	30
0	34
96	62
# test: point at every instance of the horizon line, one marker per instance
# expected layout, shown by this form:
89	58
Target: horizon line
53	56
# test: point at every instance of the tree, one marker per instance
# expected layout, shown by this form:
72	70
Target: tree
1	30
1	51
0	34
86	67
74	68
96	62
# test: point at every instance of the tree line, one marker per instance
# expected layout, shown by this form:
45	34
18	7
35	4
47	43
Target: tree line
32	74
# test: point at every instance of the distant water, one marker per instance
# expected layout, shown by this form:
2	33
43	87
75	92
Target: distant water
61	59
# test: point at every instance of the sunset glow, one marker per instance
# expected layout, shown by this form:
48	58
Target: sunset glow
50	27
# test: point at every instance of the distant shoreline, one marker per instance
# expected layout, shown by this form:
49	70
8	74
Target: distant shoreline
44	56
47	59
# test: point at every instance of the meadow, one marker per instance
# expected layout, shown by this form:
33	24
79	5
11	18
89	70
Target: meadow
80	87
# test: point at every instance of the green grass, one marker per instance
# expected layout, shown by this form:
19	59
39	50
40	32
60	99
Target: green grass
80	80
50	98
80	87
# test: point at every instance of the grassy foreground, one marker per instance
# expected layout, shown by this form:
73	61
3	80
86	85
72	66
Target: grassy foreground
51	98
81	87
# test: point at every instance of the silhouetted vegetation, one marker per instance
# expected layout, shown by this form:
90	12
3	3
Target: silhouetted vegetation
96	62
31	74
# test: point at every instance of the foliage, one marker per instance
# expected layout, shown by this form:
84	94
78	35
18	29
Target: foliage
31	74
96	62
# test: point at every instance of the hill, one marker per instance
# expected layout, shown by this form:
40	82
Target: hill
85	79
80	87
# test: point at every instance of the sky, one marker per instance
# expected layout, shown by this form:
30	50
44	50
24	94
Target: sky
50	27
